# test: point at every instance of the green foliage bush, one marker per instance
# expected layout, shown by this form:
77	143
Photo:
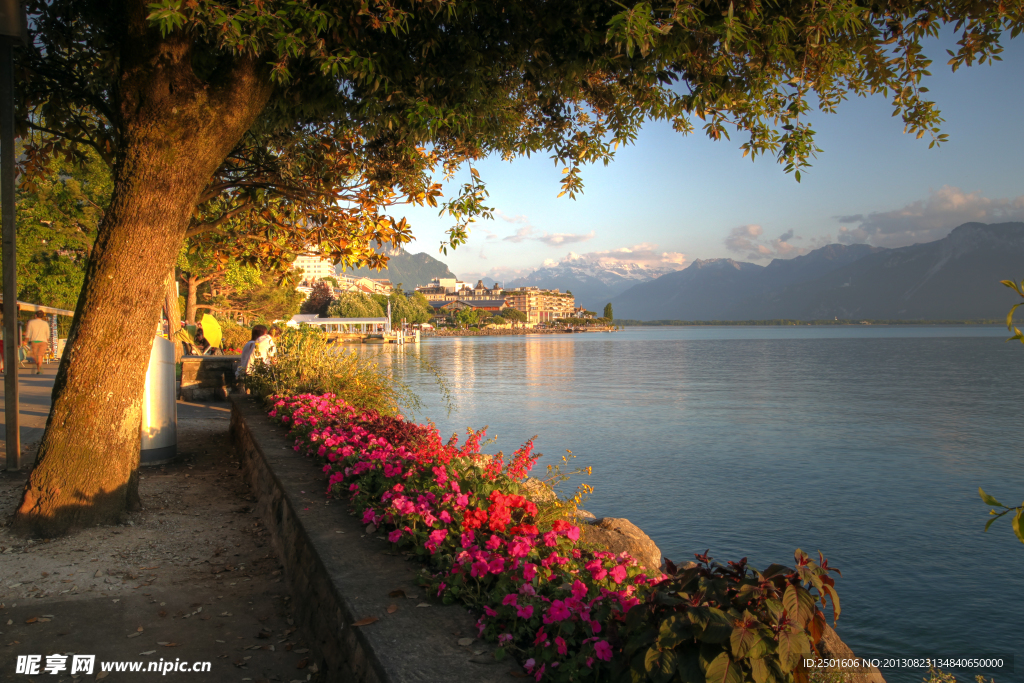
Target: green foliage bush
728	623
233	335
307	363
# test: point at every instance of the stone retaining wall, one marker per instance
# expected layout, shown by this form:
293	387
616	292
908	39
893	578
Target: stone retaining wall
339	575
206	378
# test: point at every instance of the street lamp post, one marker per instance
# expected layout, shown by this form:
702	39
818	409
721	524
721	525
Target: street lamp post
12	32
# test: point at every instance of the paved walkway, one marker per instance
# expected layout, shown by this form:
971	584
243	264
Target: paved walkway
34	398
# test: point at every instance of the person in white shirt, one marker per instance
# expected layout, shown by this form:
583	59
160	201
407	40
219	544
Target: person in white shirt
260	349
37	334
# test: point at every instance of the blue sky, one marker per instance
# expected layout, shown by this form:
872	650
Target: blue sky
668	199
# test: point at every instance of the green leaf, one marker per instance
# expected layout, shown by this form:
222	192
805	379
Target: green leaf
652	660
723	670
799	604
793	645
989	500
674	630
718	628
759	669
1018	524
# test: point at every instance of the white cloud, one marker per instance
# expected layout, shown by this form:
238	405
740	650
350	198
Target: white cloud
927	220
558	238
523	233
528	232
749	240
645	254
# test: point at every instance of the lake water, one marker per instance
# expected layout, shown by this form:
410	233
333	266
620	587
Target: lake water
867	443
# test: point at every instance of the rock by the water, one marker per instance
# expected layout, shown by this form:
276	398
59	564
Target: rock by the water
831	647
621	535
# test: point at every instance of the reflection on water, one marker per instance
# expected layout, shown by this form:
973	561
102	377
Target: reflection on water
867	443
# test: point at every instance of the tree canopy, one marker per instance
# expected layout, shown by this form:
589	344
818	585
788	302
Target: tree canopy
265	129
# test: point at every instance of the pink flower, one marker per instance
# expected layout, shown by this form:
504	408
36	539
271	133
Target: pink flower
445	517
560	644
597	570
489	611
529	664
367	515
524	611
462	500
618	574
504	638
493	543
603	650
529	571
579	591
573	534
497	565
510	599
557	612
551	539
395	536
519	548
467	539
440	588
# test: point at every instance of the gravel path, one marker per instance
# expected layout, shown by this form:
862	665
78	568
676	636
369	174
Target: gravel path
190	579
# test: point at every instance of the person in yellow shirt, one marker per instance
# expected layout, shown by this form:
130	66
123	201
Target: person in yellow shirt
37	334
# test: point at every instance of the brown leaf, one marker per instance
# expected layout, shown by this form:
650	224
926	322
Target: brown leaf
392	609
263	634
366	621
162	613
397	593
31	620
303	663
139	629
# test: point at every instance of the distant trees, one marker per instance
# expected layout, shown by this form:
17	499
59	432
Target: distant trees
319	300
513	315
355	305
608	311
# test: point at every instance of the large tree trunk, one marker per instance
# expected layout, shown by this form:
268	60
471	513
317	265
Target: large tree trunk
175	132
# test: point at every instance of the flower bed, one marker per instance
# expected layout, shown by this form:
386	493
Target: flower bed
556	605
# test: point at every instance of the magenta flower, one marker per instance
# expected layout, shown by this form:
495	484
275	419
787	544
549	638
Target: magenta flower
603	650
618	574
557	612
395	536
510	599
560	644
524	611
529	571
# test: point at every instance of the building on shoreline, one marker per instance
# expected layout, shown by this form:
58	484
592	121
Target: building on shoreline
539	305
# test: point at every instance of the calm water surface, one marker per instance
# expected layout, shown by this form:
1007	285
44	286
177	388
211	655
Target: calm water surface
867	443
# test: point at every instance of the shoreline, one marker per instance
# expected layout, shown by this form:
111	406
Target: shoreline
808	323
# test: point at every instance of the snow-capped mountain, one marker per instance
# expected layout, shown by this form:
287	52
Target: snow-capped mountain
592	283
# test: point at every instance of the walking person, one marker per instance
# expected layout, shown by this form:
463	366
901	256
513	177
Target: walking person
37	334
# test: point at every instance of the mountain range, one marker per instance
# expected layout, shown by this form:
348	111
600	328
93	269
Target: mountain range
592	284
954	278
409	270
